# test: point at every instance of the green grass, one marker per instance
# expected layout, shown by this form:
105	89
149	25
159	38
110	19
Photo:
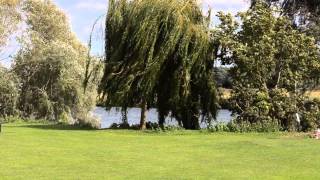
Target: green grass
56	152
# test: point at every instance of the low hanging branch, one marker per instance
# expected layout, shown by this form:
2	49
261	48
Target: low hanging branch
160	52
88	70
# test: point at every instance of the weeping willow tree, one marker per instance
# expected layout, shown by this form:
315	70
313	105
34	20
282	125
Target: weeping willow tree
160	52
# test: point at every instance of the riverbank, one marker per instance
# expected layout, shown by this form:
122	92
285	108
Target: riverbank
39	151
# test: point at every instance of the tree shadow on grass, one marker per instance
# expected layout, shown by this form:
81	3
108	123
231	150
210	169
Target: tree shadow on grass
59	127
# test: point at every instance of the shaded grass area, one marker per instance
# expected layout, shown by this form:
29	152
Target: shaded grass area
54	126
38	151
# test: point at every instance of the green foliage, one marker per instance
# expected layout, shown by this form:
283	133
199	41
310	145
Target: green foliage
9	19
271	52
222	77
9	93
304	14
285	107
239	126
161	52
273	65
219	127
266	125
311	115
51	66
46	21
252	105
255	111
151	126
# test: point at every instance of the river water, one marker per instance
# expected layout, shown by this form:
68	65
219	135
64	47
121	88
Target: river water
107	118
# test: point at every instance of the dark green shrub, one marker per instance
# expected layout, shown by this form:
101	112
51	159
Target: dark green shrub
267	125
220	127
152	126
311	116
285	106
122	126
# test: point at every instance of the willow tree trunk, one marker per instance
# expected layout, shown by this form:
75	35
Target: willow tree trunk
161	120
190	119
143	115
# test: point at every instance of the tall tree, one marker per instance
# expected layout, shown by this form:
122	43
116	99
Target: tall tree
272	64
160	52
51	66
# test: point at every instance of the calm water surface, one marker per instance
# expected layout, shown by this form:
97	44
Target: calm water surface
107	118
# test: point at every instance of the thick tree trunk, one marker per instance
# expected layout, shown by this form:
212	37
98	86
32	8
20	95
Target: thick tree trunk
124	116
195	120
190	120
192	124
143	115
161	121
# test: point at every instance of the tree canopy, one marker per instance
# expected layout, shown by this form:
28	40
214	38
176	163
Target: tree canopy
273	65
160	52
305	14
51	66
9	19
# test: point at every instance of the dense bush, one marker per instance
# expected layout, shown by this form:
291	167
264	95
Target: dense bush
275	109
285	108
223	77
311	116
261	126
220	127
149	126
245	126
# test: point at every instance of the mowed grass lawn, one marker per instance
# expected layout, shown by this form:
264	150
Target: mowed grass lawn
30	151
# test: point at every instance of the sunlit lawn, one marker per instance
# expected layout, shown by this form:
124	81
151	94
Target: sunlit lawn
54	152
